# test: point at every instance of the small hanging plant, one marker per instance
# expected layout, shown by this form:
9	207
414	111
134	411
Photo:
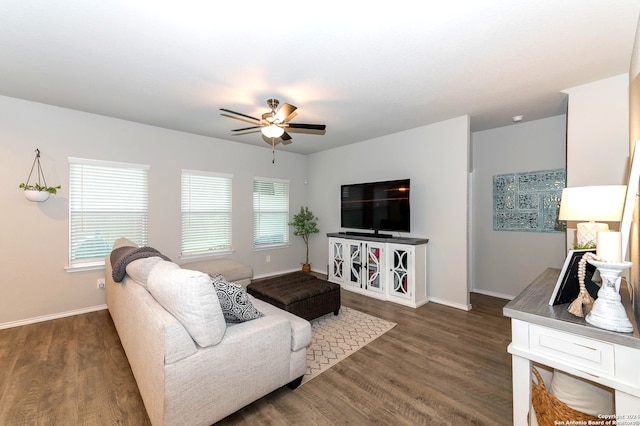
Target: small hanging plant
37	187
38	191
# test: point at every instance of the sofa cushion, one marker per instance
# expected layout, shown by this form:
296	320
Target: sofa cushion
191	298
300	327
140	269
234	301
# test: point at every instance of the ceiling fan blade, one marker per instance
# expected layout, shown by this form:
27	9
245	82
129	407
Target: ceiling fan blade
287	142
246	128
307	126
246	133
284	112
238	113
285	137
238	118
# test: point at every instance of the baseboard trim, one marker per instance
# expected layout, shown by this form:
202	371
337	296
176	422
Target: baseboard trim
450	304
12	324
493	294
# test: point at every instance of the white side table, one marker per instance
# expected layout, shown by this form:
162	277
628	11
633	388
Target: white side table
551	336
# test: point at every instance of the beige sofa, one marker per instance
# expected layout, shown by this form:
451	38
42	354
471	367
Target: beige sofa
192	367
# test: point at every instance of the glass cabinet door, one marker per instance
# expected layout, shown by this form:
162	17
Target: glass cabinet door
337	260
399	269
375	267
354	251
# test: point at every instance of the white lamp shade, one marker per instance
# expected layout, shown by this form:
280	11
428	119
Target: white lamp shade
272	131
592	203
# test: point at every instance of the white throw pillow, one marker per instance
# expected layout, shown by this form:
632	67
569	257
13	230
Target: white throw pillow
582	395
191	298
140	269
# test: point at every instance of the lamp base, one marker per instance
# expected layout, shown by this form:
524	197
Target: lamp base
607	311
588	232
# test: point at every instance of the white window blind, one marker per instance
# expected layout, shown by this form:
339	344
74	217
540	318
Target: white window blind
206	212
270	212
106	201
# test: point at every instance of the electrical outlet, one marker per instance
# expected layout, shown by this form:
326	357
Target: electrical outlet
100	283
268	259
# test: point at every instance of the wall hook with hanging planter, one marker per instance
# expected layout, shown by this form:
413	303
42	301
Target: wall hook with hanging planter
38	191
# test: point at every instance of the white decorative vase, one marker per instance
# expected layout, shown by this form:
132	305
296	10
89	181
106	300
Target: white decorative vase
38	196
607	311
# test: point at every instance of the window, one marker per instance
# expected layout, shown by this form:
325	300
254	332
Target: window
270	212
206	212
106	201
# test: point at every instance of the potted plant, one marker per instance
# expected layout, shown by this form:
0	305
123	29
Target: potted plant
305	224
38	191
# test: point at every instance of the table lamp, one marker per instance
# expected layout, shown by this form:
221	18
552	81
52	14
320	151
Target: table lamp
588	204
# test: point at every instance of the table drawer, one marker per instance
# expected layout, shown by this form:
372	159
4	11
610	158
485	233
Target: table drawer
576	351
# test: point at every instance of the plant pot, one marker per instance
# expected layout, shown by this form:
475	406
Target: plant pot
37	196
306	267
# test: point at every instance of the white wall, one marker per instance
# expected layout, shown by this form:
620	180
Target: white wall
597	136
435	158
598	132
505	262
34	247
634	135
596	154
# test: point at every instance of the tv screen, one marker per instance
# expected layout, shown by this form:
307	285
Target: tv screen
376	205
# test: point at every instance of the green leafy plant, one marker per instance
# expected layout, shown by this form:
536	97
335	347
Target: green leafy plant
585	246
305	224
37	187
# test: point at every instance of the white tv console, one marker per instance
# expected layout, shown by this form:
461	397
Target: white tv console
393	269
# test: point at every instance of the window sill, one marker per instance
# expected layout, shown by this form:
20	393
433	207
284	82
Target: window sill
271	247
206	255
97	266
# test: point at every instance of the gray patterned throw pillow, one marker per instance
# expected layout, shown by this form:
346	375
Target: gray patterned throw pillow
236	306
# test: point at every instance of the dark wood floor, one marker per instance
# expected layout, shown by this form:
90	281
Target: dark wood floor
439	365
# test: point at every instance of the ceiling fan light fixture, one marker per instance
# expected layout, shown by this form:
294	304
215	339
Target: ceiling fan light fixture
272	131
273	124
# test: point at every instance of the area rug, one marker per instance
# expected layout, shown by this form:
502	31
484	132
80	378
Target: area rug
335	337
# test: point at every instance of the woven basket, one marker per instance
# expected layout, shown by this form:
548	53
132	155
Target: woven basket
550	409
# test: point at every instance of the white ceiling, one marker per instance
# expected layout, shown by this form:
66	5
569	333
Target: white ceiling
364	70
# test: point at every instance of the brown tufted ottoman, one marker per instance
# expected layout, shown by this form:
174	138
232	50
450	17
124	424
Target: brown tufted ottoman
302	294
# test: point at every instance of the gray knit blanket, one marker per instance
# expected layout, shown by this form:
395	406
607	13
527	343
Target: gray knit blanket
122	256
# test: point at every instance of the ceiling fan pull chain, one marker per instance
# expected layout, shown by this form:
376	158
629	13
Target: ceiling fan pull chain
273	150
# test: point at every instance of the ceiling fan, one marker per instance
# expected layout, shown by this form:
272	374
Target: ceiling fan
273	123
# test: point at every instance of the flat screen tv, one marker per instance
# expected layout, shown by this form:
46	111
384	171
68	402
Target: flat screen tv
379	206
